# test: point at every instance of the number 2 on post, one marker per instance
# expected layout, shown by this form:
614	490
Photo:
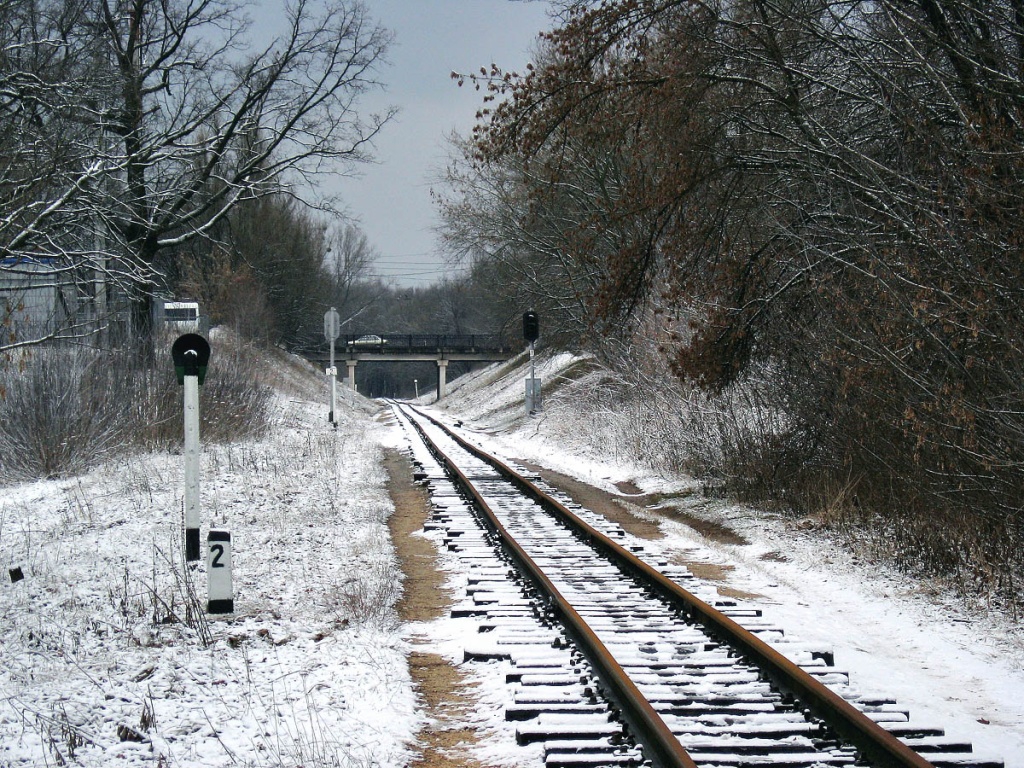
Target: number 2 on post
218	553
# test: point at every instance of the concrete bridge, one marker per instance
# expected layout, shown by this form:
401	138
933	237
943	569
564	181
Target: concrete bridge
404	348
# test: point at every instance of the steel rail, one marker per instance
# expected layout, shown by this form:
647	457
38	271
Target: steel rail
875	743
656	738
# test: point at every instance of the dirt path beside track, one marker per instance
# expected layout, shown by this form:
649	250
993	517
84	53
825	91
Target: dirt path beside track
445	695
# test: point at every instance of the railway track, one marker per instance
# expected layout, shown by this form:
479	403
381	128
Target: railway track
612	659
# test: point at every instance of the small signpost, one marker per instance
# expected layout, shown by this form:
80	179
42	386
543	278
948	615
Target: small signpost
531	332
191	355
332	329
219	587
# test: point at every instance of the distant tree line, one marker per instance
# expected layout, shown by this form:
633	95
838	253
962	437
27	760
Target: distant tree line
823	194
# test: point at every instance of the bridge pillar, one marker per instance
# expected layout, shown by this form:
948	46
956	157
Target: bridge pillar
351	373
442	377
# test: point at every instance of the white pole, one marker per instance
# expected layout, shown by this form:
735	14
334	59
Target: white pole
191	468
532	387
442	378
334	385
331	329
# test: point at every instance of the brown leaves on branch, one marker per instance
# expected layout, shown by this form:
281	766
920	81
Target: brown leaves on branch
831	191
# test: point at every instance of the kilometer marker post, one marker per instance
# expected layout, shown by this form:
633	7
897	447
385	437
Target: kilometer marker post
191	355
219	587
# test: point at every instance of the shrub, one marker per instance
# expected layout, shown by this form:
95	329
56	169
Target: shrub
757	441
59	415
63	409
233	403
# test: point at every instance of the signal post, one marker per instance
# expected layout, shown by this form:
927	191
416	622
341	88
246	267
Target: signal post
191	356
531	332
332	329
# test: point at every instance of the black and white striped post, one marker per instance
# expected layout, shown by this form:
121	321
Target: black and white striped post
191	355
531	332
219	587
332	329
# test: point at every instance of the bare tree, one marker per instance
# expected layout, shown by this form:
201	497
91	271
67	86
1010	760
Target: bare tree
162	118
829	190
349	261
52	173
503	219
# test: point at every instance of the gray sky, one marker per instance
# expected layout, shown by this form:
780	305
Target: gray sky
391	199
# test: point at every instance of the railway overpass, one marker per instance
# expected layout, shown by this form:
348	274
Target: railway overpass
404	348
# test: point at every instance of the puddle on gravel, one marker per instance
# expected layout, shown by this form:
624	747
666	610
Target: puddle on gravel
628	488
709	529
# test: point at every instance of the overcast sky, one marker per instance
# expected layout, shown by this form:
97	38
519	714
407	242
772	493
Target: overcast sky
432	38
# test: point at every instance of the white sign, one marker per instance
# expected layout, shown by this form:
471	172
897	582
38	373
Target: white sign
332	324
332	371
220	590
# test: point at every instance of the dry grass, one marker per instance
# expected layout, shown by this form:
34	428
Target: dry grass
66	409
743	443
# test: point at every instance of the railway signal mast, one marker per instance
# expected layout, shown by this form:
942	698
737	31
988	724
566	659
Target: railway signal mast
531	332
332	329
191	355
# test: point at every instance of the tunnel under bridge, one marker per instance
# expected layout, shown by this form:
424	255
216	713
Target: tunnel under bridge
405	348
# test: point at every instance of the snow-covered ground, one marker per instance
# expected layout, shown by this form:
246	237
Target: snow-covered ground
98	663
100	644
959	669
